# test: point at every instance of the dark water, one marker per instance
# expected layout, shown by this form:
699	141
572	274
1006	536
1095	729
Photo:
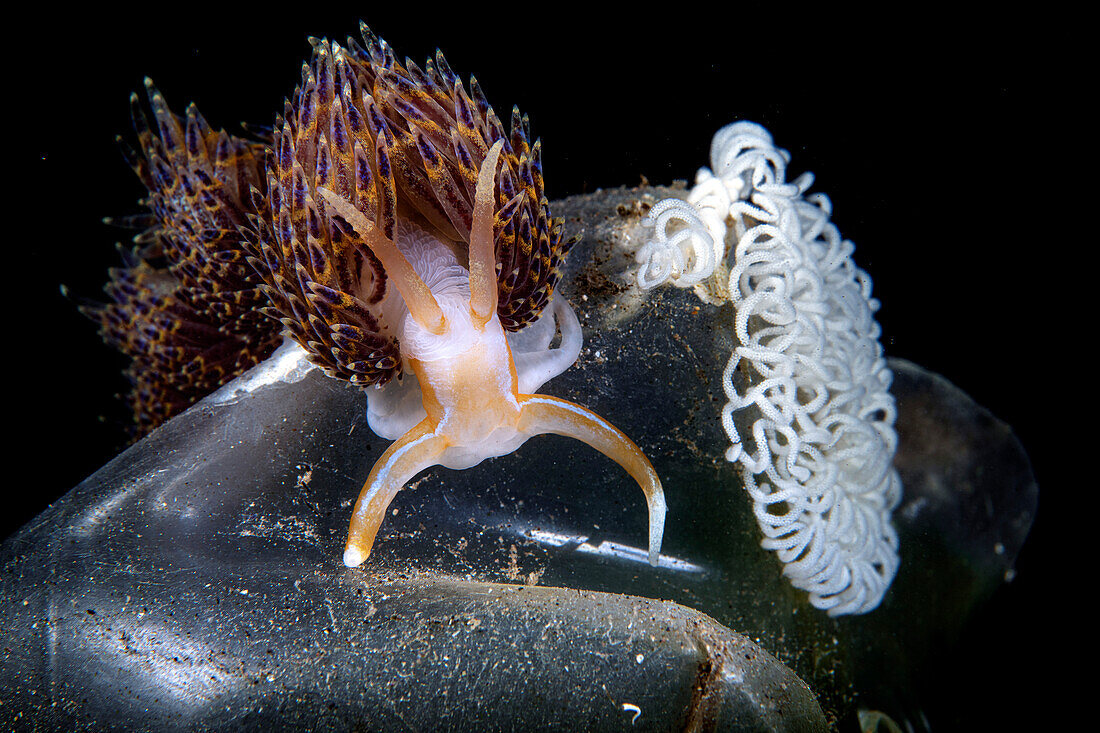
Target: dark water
921	158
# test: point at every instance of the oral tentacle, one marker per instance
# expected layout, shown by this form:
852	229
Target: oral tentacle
414	451
415	292
483	274
542	414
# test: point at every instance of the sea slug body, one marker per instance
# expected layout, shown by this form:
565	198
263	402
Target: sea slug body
395	231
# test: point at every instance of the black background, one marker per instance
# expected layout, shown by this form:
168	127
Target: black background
941	148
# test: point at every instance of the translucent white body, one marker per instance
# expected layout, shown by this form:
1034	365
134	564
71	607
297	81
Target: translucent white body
395	407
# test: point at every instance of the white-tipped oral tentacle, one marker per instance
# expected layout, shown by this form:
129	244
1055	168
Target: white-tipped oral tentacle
410	454
544	414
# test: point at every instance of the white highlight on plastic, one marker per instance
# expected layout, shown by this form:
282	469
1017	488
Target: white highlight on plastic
287	364
609	548
815	382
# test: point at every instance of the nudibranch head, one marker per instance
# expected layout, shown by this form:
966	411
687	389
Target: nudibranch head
398	142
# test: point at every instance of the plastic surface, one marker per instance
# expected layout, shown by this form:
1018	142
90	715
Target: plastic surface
196	580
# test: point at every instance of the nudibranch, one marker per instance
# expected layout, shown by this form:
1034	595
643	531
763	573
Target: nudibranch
403	239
